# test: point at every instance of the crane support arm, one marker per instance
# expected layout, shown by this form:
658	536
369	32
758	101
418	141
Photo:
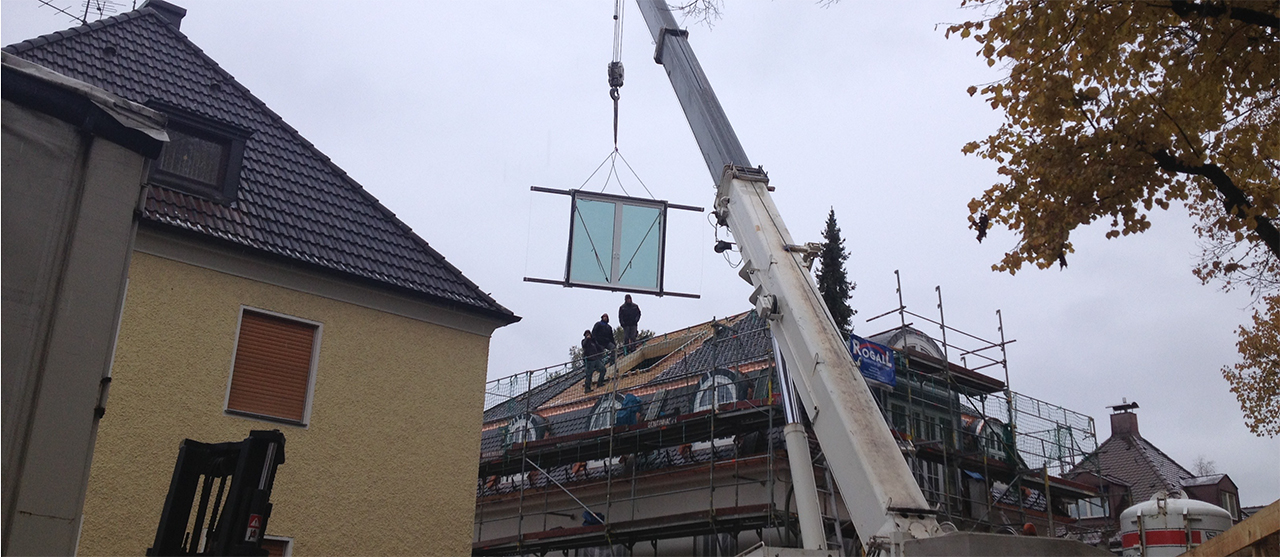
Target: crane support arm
882	497
719	145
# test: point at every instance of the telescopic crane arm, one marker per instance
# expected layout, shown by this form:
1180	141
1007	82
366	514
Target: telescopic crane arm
882	497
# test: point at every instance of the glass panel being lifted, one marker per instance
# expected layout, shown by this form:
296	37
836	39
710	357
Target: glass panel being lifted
616	241
641	245
591	252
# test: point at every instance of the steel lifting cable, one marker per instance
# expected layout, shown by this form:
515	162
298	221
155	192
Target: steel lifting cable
615	66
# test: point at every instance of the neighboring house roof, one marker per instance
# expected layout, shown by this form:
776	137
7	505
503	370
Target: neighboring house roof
1246	512
1136	462
1211	479
292	201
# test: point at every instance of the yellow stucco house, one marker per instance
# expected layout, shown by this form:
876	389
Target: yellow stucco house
268	290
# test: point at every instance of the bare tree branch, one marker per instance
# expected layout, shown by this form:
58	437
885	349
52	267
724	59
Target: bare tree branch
1189	10
1234	199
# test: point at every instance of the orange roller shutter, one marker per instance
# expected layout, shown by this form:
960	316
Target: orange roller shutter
272	367
275	547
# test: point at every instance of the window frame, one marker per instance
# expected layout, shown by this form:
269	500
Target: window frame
616	265
710	387
523	426
1231	502
232	138
311	372
1091	507
288	543
611	417
899	418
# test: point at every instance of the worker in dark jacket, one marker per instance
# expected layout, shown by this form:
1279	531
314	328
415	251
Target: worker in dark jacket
593	360
629	318
603	333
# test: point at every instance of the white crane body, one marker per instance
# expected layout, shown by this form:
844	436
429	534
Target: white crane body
882	497
884	502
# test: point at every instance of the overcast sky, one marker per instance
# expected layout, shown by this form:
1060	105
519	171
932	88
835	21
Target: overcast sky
449	112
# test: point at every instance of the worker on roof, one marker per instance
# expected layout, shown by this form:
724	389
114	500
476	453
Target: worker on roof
629	318
593	360
603	333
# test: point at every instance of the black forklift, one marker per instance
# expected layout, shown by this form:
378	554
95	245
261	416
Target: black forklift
232	520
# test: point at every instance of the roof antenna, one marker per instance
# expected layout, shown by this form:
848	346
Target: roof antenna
101	7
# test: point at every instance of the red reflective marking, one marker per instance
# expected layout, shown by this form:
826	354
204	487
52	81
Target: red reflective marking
1129	540
1161	537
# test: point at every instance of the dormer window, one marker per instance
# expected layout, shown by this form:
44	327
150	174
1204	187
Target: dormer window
202	157
605	413
716	388
526	427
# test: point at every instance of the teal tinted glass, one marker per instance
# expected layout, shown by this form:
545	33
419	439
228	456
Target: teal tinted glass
591	252
640	248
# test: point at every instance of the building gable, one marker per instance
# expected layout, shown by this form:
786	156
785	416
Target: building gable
1136	462
292	202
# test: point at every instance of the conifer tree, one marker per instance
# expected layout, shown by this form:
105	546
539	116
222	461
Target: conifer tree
833	282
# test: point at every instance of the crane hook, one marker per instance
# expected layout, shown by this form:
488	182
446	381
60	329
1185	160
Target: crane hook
615	82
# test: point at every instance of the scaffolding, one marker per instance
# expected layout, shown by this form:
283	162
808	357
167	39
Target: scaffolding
682	448
681	452
968	436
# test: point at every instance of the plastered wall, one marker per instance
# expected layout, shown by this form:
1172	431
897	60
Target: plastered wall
386	465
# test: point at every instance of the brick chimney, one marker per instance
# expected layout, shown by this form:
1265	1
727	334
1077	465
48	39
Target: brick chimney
1123	420
170	12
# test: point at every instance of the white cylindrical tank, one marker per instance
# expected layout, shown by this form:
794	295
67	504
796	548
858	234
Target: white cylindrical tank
1169	524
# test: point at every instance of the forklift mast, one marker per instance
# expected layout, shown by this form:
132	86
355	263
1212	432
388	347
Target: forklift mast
234	521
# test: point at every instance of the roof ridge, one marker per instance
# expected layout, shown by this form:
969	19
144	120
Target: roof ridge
1152	446
1145	449
61	34
446	273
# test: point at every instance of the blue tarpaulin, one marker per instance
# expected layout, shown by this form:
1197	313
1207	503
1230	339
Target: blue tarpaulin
874	359
630	410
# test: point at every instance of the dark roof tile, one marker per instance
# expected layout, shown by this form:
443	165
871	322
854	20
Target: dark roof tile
293	201
1136	462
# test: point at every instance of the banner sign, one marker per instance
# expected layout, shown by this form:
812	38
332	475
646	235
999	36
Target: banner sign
875	360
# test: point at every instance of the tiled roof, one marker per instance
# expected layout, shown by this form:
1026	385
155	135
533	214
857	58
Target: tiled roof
1211	479
292	202
738	339
534	398
1137	462
688	352
728	342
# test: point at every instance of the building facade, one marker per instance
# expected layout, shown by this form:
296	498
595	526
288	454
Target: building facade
74	156
683	455
267	290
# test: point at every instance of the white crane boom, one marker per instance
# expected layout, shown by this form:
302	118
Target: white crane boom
879	491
